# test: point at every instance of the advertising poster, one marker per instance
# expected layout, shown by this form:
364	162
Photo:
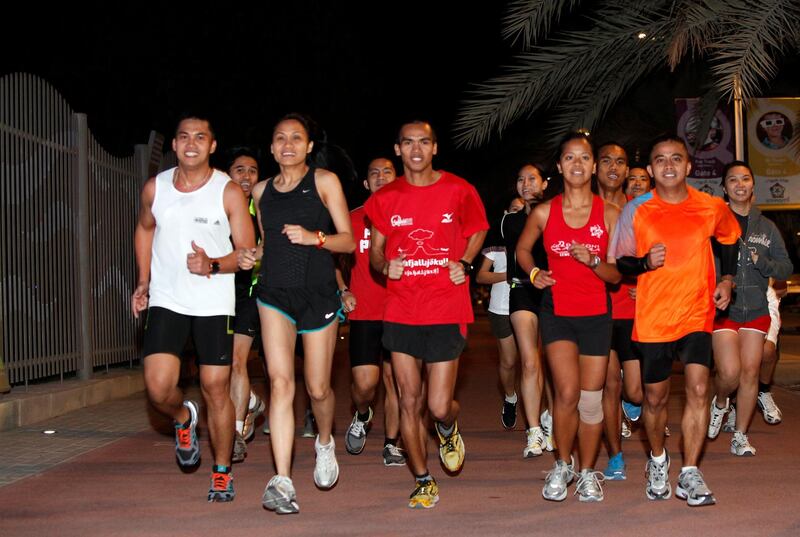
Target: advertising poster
716	150
775	164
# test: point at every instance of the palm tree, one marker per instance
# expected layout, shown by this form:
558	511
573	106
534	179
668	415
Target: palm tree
580	58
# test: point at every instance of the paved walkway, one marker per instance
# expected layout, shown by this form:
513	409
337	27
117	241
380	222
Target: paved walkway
110	470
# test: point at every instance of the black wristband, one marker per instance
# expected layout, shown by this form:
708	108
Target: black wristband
632	266
467	265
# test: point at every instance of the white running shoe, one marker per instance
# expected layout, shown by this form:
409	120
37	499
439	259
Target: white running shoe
658	487
588	488
740	445
772	414
557	480
326	469
692	488
279	496
536	442
730	423
717	417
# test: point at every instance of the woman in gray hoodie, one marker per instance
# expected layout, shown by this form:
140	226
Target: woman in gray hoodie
739	332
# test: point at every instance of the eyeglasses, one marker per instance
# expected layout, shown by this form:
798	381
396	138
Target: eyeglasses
766	123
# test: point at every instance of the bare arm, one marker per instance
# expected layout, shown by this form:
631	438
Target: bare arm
143	247
247	257
485	275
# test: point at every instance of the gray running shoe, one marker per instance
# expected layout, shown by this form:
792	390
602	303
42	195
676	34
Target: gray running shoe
326	469
309	425
717	417
772	414
692	488
658	487
187	447
356	436
740	445
265	430
588	488
730	423
253	412
557	480
279	496
393	456
536	443
239	447
546	421
221	488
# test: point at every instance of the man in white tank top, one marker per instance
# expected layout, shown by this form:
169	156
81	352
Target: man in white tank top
186	263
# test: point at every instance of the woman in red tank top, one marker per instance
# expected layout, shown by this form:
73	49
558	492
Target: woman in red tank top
575	320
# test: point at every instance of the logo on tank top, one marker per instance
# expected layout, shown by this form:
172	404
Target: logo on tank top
200	220
422	257
596	231
399	221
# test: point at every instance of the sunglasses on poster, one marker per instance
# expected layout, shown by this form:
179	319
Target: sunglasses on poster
766	123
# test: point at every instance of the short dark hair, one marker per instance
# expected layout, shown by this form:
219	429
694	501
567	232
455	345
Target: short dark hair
539	168
576	135
734	164
416	121
194	114
667	137
242	151
612	142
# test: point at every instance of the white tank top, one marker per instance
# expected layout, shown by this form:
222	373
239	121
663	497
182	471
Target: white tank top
183	217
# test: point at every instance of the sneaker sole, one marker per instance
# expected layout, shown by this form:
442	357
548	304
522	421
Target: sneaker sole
590	499
323	486
615	476
417	504
530	454
655	496
694	502
393	463
745	454
560	498
220	497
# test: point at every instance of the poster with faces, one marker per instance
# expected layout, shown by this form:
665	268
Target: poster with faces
775	160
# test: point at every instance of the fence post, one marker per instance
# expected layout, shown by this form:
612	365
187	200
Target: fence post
85	367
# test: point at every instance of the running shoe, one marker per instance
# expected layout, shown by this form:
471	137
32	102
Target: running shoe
666	430
508	416
239	447
615	471
625	428
631	411
187	447
730	423
279	496
393	456
309	425
692	488
425	495
546	421
356	436
451	449
265	430
326	469
536	442
740	445
221	487
768	407
658	487
588	488
557	480
717	417
253	412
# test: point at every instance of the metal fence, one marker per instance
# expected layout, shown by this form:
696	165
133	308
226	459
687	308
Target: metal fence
66	232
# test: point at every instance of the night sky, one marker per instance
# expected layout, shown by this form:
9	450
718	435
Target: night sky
358	68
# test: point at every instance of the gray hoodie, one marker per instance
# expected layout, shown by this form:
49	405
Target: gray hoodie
749	299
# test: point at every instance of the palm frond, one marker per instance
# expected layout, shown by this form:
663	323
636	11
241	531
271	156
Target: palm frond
696	25
529	21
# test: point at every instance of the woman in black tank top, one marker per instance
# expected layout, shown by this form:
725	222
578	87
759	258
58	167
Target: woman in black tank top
304	218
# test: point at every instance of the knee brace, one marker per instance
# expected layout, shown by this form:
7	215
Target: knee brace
590	407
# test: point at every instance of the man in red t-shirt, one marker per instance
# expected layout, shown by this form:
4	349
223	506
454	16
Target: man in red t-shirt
363	301
427	227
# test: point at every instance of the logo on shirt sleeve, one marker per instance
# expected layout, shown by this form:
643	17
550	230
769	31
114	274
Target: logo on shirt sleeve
399	221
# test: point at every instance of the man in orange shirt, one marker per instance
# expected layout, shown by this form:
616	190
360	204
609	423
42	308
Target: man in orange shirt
663	238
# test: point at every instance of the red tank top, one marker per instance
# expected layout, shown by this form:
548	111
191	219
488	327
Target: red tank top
578	291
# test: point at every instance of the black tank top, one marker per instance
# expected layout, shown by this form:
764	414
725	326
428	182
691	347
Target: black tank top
511	227
294	265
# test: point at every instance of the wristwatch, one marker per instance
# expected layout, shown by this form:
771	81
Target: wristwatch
467	266
594	262
214	266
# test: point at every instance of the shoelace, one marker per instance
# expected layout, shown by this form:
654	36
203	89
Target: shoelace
220	480
184	437
560	469
325	456
394	450
536	438
657	471
358	428
424	488
741	439
697	485
591	481
769	404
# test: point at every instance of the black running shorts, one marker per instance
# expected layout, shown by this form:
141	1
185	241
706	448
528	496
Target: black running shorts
501	325
309	308
247	321
621	339
429	343
167	332
366	347
591	333
657	358
524	297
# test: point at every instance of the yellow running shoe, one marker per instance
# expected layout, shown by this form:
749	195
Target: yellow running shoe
451	449
425	495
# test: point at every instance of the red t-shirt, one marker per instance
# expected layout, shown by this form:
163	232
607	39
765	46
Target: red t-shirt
622	305
578	291
430	225
368	286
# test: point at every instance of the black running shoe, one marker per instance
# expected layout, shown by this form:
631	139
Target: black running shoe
509	414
